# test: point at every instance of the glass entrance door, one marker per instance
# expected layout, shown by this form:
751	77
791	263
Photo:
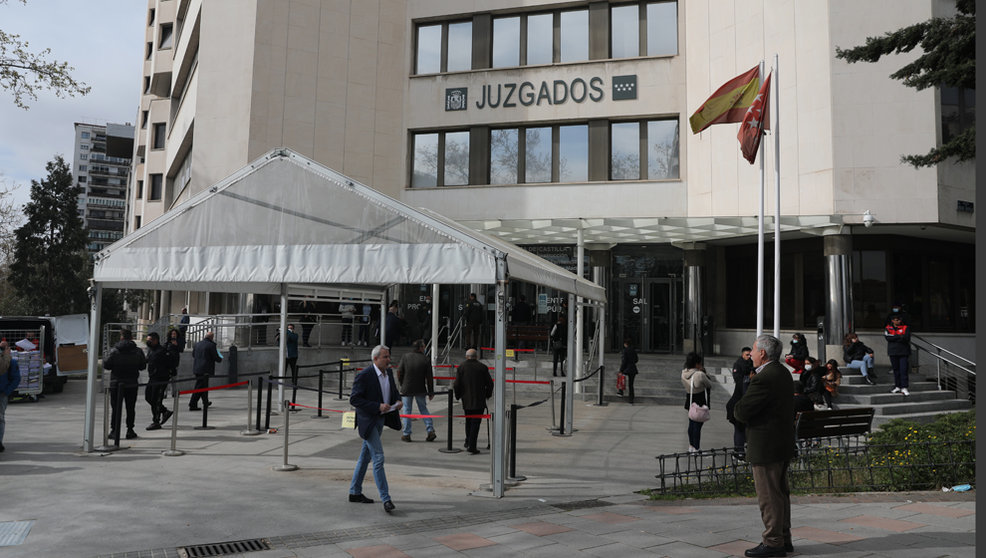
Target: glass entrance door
649	313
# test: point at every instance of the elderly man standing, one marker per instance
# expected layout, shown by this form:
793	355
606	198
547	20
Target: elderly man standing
417	380
473	385
766	409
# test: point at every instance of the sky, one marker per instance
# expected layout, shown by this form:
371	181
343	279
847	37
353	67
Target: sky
103	40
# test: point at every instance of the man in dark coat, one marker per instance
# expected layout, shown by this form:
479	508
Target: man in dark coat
473	385
205	355
472	321
415	376
766	409
377	402
125	361
161	361
742	370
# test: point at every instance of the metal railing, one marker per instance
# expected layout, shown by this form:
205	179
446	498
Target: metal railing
952	371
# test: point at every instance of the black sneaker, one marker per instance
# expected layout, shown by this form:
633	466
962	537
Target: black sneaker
2	448
154	426
131	434
112	435
869	380
166	415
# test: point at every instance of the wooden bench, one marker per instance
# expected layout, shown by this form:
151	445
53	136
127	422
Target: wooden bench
837	423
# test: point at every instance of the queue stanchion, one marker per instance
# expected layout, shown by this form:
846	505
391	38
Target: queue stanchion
119	416
260	399
270	389
106	422
321	384
342	373
448	446
602	382
287	421
561	422
205	416
551	390
250	431
174	451
513	445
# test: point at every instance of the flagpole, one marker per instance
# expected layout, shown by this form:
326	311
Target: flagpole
760	237
777	203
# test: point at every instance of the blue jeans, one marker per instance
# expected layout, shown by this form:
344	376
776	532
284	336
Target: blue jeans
422	409
3	410
864	365
372	450
694	433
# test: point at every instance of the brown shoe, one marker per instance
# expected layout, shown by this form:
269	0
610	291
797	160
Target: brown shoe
431	436
405	438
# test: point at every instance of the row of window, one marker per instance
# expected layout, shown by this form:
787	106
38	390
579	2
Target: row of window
157	188
646	149
635	29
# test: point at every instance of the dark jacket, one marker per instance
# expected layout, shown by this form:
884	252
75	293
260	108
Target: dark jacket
799	350
559	336
161	361
10	380
393	328
898	340
766	410
628	361
521	314
473	384
814	385
473	313
414	375
125	360
205	355
366	397
856	351
741	380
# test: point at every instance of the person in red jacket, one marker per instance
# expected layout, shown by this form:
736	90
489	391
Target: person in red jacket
898	337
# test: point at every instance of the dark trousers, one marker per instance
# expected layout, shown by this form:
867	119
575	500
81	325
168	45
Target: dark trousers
739	438
694	433
347	330
630	379
471	335
558	357
774	498
472	427
129	387
899	364
201	382
154	395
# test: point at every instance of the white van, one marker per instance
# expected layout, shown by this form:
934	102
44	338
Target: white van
63	341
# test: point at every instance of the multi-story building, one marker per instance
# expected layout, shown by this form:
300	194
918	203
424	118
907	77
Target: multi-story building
546	121
102	169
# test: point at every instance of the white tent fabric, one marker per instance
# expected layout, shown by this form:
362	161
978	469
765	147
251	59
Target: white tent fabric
287	219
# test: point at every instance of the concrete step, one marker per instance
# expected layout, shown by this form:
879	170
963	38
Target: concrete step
907	407
890	398
878	389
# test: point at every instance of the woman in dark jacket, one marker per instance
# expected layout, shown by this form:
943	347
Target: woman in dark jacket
859	356
799	353
814	384
628	366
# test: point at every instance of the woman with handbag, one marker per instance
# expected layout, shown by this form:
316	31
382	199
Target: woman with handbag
628	366
698	389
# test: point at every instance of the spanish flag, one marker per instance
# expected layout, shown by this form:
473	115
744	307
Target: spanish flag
729	103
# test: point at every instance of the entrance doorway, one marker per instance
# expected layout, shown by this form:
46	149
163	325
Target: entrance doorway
650	314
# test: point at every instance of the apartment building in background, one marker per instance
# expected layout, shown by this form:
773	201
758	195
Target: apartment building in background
101	167
546	122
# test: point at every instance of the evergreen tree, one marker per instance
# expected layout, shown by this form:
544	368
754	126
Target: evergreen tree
949	59
51	267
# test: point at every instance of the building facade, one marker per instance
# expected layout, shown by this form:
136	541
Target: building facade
102	169
561	125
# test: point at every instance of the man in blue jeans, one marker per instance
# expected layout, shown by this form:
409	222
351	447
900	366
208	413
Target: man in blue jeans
417	381
10	379
377	402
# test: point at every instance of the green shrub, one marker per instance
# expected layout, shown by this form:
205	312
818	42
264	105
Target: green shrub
905	455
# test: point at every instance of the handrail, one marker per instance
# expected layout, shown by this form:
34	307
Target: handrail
941	349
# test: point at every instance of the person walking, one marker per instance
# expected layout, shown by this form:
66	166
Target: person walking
898	335
205	355
473	385
125	361
417	380
859	356
766	408
291	355
698	390
742	372
628	366
559	345
375	397
161	361
10	378
472	321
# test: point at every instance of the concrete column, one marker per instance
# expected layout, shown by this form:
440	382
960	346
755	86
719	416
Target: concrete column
694	264
837	249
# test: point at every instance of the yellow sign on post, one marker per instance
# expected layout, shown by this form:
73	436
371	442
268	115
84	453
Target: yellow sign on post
510	353
349	419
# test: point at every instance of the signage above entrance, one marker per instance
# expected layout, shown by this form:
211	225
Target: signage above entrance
555	92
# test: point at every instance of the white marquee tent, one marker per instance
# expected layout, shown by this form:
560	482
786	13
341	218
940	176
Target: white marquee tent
286	222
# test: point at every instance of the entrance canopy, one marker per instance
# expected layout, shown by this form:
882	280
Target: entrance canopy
285	219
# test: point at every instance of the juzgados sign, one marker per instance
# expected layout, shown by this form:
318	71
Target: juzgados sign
556	92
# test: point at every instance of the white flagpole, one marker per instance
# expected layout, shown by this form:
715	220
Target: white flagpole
775	83
760	238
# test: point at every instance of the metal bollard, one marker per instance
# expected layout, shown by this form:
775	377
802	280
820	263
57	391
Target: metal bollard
205	416
321	383
602	381
342	372
106	423
260	399
513	445
561	422
250	431
287	421
448	447
270	389
174	452
119	415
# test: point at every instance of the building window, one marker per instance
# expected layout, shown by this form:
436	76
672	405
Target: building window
83	156
82	180
84	146
84	135
659	139
143	119
82	168
429	59
444	47
537	155
503	156
506	42
150	17
958	111
136	222
573	153
459	56
662	28
148	50
424	173
624	34
147	84
159	135
157	187
139	194
540	39
440	159
167	36
456	158
574	36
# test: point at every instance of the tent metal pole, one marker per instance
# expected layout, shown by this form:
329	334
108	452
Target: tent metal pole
434	325
282	346
569	368
383	321
579	311
499	386
96	302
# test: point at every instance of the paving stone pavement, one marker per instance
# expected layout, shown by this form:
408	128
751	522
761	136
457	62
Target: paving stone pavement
580	498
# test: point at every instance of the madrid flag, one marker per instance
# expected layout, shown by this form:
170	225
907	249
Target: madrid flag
756	120
729	103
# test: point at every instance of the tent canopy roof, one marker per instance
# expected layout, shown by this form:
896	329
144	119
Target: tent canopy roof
287	219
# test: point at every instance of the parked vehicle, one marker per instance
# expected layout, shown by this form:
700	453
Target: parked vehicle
62	341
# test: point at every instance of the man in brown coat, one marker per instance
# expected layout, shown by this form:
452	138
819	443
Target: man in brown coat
473	385
766	409
416	380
